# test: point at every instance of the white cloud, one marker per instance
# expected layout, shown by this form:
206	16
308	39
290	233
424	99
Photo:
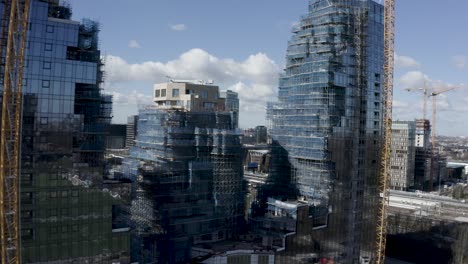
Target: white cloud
255	78
400	104
195	64
405	62
132	98
178	27
133	44
459	61
413	79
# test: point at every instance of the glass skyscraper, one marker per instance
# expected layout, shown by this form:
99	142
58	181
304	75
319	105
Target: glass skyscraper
66	214
326	126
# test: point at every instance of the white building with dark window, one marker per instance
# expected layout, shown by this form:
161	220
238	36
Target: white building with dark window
402	154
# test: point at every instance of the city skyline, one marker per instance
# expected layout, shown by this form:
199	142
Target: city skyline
249	58
250	133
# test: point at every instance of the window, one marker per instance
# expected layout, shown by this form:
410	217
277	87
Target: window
53	230
157	93
163	92
26	178
47	65
48	47
26	233
53	194
74	193
53	212
27	198
26	215
208	105
45	83
175	92
204	94
50	29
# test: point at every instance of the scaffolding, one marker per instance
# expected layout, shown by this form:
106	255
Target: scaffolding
186	170
326	127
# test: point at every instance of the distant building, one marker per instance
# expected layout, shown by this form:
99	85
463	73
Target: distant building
227	252
402	155
423	154
261	135
249	136
186	169
423	133
231	103
132	128
232	100
116	136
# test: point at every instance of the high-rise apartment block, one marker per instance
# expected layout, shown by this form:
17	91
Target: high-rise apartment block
423	133
132	128
423	155
186	173
402	159
326	127
231	103
261	134
66	215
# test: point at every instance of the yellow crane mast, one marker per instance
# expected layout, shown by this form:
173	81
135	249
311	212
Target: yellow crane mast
387	101
14	31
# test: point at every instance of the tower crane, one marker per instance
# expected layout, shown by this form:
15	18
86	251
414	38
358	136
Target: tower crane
434	95
387	101
425	92
14	25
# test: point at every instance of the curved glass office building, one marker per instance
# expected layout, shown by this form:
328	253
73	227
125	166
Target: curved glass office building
326	126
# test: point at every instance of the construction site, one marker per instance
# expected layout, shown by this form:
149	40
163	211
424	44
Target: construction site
427	228
180	187
186	174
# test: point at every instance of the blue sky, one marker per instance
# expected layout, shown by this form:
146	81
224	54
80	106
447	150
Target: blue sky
241	45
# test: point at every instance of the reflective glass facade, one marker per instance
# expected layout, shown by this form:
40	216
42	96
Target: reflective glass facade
66	215
326	124
187	182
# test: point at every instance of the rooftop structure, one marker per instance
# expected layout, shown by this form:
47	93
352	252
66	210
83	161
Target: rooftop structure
188	96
